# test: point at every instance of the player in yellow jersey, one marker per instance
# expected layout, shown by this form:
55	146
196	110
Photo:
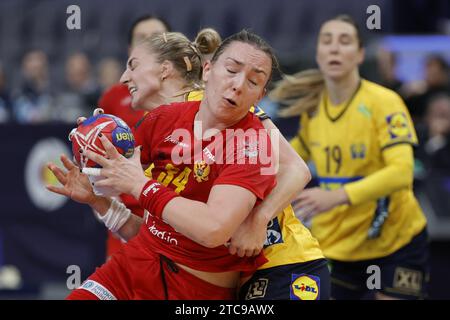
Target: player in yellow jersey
164	69
359	136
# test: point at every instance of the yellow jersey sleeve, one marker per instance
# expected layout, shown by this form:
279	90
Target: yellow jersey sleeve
393	122
397	174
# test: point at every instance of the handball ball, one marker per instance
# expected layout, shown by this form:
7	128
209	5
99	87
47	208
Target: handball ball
85	137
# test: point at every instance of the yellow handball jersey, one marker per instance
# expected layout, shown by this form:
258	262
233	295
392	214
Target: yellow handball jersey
346	143
288	241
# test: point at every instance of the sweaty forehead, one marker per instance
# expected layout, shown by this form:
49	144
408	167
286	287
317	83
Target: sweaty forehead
248	54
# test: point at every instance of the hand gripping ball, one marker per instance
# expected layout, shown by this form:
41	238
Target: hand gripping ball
85	137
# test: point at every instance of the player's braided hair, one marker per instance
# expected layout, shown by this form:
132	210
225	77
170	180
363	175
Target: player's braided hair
301	91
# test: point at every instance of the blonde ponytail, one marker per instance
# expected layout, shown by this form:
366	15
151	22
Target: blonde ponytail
300	91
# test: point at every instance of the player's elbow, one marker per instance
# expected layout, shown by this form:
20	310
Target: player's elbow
299	172
214	236
405	174
304	173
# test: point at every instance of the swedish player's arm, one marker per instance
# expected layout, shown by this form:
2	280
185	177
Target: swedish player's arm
397	174
292	176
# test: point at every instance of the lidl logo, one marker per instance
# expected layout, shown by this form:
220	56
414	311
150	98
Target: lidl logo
305	287
398	125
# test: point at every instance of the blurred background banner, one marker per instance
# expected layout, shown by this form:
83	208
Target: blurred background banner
41	234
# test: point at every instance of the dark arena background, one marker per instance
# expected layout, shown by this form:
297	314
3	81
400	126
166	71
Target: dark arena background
54	68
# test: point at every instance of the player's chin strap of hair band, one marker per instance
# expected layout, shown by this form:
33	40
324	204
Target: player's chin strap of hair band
154	197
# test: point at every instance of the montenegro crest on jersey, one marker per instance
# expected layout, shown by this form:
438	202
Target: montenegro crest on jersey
201	171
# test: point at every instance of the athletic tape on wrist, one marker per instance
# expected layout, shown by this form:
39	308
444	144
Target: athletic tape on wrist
116	216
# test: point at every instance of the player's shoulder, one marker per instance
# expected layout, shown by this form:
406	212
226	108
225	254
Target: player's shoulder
251	121
166	114
177	108
379	94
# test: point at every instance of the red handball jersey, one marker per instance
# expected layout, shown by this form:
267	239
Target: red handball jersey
117	101
192	167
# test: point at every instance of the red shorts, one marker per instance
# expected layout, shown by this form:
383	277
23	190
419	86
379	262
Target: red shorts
113	244
138	273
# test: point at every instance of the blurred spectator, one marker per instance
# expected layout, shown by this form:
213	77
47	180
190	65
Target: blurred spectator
386	63
32	103
5	99
109	72
436	81
144	27
434	136
81	92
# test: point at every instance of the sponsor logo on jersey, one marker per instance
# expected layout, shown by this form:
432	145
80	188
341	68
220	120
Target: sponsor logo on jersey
163	235
154	187
398	126
358	150
98	290
365	111
408	280
201	171
305	287
274	234
257	289
174	141
209	154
